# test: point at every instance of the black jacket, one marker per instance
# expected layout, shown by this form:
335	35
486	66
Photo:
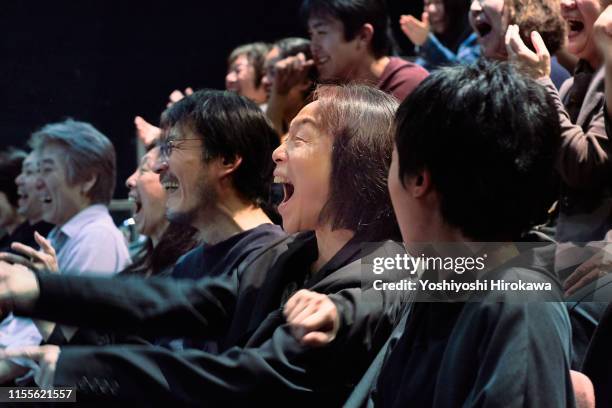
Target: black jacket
264	365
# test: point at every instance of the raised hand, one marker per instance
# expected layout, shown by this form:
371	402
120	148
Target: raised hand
18	287
415	29
46	357
146	132
43	259
290	72
312	317
535	64
177	95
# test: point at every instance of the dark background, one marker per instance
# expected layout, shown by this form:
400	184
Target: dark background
105	62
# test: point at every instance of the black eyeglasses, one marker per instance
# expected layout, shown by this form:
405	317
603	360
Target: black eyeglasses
166	146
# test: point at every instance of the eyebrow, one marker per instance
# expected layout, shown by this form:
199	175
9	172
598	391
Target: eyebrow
47	161
319	24
302	121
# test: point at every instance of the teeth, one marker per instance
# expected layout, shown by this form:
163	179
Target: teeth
322	60
170	185
281	180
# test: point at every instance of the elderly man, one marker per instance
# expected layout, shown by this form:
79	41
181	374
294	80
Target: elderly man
75	185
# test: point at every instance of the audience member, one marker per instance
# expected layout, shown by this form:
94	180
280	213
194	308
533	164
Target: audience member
490	20
585	205
289	80
267	360
350	43
10	218
443	35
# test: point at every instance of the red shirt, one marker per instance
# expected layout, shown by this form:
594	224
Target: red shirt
400	77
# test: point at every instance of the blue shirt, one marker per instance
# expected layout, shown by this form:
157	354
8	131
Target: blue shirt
433	54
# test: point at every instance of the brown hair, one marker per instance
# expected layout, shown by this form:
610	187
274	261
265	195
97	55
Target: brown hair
360	119
543	16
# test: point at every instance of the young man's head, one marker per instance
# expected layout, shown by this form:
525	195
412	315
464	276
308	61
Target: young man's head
77	168
214	145
490	20
333	164
580	16
475	151
344	33
282	49
245	69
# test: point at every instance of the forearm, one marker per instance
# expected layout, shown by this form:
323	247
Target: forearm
274	111
583	156
608	87
152	306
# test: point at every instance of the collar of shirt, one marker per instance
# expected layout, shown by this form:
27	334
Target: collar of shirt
60	234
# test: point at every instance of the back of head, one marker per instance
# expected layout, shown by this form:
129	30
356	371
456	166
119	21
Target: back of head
255	54
231	126
488	137
10	167
291	46
361	120
88	153
543	16
354	14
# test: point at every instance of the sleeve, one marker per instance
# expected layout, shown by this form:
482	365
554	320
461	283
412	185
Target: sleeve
152	306
96	252
436	54
19	332
583	156
279	369
523	357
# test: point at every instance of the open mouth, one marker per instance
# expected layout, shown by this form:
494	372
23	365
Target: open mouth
170	186
288	188
483	28
136	203
575	26
321	60
46	200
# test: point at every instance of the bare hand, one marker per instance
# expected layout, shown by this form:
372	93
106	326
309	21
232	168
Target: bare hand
535	64
312	317
147	133
290	72
46	357
177	95
417	31
603	33
18	287
40	260
594	268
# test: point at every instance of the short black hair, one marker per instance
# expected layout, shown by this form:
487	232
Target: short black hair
10	167
230	125
489	137
354	14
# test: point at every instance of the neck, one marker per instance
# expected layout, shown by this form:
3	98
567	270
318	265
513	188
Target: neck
34	221
230	217
595	61
17	221
329	243
156	236
369	70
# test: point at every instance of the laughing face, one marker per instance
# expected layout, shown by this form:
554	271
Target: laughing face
60	200
303	167
148	196
29	204
240	78
580	16
185	177
487	21
334	57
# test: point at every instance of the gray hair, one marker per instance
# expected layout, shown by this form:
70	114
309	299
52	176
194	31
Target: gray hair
88	153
